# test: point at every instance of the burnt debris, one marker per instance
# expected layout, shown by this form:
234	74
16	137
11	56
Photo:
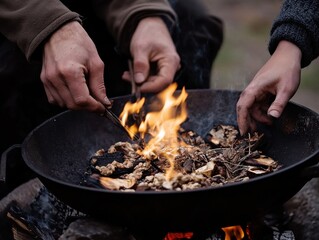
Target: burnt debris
221	157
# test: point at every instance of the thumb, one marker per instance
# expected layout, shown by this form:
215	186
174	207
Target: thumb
276	108
141	68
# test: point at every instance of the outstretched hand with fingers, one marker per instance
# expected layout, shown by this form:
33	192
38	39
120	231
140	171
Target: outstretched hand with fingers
273	86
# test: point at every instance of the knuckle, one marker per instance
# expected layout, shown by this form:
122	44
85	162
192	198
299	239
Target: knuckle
243	94
81	101
139	65
239	106
48	76
174	57
167	81
177	58
98	64
52	101
67	70
43	76
71	106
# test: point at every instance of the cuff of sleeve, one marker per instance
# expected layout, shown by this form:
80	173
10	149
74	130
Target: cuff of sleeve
296	35
131	23
34	51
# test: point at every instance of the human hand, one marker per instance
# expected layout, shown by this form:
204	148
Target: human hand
72	71
152	43
268	93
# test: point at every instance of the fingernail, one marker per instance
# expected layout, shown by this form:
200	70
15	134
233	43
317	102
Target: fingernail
139	77
107	101
274	113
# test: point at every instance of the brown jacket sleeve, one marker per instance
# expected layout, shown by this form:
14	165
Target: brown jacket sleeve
29	22
122	16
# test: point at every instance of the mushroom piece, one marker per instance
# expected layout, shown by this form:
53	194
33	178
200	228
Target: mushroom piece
116	183
207	169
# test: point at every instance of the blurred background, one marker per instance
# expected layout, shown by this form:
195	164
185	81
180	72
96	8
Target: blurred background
247	25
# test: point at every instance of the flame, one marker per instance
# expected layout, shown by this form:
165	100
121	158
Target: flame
233	232
177	236
130	109
162	126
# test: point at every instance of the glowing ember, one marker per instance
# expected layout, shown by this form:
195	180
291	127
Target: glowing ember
178	236
162	126
231	233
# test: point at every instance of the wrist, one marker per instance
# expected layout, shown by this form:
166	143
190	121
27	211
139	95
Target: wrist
289	49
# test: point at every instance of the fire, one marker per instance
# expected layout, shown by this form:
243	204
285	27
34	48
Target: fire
161	125
233	232
177	236
130	109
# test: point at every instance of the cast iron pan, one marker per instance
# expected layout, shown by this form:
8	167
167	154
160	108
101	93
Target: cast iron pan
59	149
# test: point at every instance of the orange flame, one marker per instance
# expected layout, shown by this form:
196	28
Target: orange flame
129	109
178	236
233	232
162	125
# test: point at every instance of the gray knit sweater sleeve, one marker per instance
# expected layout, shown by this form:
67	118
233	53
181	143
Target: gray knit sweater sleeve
298	22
